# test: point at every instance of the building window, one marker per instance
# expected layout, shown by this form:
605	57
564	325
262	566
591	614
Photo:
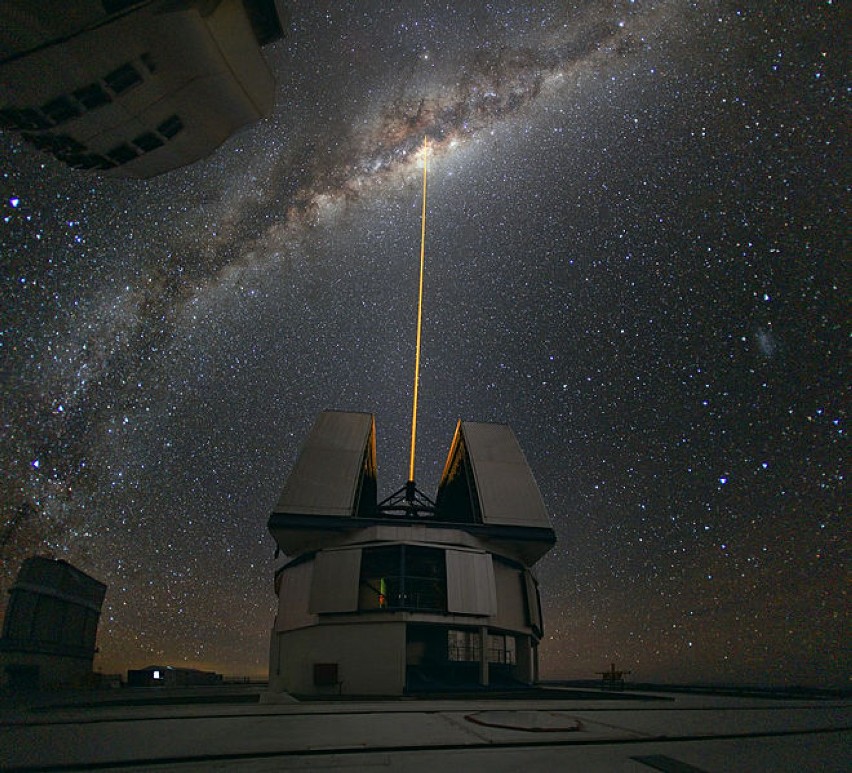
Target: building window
123	78
466	646
61	109
24	119
89	161
92	96
78	156
463	646
61	145
326	675
148	142
403	577
170	127
123	153
501	649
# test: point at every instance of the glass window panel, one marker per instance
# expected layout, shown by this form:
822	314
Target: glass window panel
148	142
123	78
170	127
123	153
92	96
511	651
403	577
61	109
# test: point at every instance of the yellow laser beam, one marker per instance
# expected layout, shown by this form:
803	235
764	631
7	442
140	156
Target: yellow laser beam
419	314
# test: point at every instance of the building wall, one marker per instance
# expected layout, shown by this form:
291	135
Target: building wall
168	676
477	585
50	625
41	618
470	583
370	659
46	670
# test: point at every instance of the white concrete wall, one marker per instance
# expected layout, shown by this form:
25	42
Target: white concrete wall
370	658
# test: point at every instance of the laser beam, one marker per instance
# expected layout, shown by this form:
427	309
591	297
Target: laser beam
419	319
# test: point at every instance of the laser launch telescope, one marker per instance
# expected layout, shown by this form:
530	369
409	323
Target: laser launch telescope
410	594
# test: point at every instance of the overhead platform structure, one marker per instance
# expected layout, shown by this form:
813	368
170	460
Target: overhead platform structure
135	89
385	597
486	482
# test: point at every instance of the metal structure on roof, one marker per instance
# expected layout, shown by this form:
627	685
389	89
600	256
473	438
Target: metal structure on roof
487	487
487	479
335	474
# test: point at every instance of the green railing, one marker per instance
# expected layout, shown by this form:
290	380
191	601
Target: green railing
394	593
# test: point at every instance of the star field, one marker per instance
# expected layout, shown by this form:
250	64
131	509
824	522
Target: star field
634	257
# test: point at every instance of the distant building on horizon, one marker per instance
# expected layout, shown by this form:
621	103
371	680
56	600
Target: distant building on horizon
406	595
50	626
125	88
171	676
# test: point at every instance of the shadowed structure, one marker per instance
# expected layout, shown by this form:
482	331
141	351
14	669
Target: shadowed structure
50	626
135	89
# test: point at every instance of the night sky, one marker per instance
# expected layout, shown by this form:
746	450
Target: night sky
635	257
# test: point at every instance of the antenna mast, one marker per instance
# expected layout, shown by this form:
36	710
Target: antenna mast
410	488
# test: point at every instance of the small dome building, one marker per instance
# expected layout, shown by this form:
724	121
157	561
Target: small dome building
408	594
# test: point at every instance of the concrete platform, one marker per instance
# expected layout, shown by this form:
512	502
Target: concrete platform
678	733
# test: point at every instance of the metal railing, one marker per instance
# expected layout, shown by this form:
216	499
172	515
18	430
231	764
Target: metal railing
470	653
394	593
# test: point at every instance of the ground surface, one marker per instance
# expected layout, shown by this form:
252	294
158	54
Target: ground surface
226	729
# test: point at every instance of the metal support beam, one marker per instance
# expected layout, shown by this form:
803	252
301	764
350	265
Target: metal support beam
483	655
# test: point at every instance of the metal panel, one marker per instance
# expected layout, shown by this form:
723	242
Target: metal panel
508	493
533	602
327	475
335	584
510	597
294	597
470	583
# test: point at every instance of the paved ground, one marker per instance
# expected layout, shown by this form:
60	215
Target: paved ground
226	731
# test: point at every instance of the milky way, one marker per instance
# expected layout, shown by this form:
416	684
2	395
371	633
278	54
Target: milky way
634	257
494	83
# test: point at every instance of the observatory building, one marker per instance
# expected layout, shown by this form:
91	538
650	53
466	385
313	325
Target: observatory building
408	594
50	626
126	88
